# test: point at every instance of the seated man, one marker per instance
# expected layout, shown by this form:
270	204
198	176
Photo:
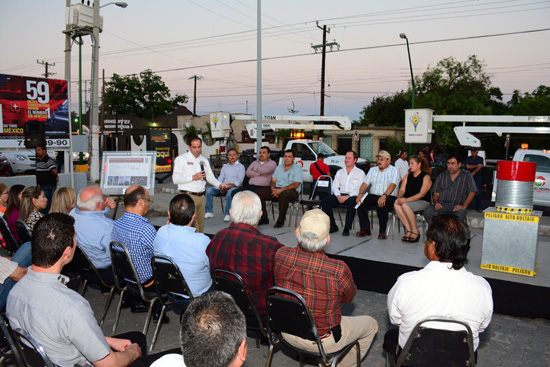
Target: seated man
93	229
241	248
317	169
286	185
64	325
179	241
453	190
324	283
213	334
259	172
443	288
381	183
232	174
345	188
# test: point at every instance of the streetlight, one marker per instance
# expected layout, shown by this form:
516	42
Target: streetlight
122	4
403	35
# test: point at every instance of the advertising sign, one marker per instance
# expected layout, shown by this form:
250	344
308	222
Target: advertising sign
124	169
418	126
159	139
24	99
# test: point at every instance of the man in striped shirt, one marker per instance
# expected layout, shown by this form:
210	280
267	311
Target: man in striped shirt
46	175
453	190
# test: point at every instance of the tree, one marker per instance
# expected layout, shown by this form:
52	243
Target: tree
531	104
386	110
144	96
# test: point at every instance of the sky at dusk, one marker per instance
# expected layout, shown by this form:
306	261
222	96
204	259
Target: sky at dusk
216	40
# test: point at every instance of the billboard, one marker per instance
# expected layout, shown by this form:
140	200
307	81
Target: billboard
159	139
24	99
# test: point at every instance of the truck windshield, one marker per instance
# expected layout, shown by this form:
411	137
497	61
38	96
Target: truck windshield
321	148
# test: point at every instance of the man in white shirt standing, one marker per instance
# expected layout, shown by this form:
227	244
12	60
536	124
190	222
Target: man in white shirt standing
402	165
233	174
345	188
190	171
443	288
381	182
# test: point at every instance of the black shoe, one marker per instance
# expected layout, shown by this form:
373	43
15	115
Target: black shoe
334	229
140	307
156	314
479	210
263	221
345	233
279	224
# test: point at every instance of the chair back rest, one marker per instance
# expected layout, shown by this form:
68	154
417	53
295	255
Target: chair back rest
322	186
84	266
436	347
287	312
33	354
168	278
233	284
123	267
22	231
11	243
7	335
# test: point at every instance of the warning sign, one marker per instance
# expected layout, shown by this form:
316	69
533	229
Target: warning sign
514	217
509	269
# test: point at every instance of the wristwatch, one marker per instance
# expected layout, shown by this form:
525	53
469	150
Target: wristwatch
386	195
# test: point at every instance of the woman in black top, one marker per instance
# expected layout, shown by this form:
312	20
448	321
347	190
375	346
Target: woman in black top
413	196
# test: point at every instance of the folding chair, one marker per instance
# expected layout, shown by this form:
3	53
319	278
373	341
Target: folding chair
11	350
427	346
22	231
126	280
322	186
233	284
84	266
168	280
32	352
9	240
287	312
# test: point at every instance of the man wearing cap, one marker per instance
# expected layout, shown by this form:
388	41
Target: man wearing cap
474	164
190	171
402	165
317	169
381	183
345	188
324	283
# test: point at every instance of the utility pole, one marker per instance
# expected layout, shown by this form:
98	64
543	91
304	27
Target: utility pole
46	65
323	48
195	93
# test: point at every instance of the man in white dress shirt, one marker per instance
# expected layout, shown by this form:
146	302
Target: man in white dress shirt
345	188
190	171
443	288
402	165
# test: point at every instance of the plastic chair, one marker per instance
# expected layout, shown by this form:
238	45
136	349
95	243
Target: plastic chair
126	280
11	244
435	347
22	231
288	312
233	284
84	266
32	352
168	280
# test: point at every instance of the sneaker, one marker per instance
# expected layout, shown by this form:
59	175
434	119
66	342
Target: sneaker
208	215
227	218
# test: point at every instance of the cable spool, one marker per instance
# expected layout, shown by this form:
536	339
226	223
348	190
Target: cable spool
515	186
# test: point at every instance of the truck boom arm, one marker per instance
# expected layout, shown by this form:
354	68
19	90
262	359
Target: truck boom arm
465	138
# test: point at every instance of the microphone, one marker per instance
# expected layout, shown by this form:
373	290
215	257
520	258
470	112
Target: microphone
202	165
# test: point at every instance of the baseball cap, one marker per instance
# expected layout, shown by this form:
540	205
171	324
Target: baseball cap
317	223
384	153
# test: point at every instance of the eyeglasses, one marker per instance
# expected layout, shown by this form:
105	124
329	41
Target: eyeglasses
148	200
5	193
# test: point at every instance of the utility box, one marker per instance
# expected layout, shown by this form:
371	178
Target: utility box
510	242
82	16
418	126
220	124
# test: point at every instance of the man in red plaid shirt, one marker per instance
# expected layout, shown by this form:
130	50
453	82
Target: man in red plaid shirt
324	283
241	248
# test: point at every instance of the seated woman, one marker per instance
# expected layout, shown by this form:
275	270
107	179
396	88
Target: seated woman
63	200
32	200
413	196
12	211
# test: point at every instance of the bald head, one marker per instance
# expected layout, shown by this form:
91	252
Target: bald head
90	199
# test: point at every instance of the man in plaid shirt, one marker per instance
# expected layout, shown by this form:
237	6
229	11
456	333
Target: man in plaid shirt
324	283
241	248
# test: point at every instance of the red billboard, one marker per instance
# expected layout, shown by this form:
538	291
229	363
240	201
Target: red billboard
24	99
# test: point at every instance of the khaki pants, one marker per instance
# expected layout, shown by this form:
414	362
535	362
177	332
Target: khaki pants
199	201
363	328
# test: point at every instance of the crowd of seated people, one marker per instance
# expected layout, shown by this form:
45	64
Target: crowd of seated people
262	261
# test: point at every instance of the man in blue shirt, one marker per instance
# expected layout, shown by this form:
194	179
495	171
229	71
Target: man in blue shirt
179	241
232	175
93	229
286	184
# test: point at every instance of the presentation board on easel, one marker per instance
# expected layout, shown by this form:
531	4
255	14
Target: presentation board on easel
121	170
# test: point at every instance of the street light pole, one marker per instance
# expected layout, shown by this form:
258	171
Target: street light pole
403	35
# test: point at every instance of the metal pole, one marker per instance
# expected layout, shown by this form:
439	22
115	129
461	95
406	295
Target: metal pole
94	131
81	155
259	115
412	75
323	58
68	79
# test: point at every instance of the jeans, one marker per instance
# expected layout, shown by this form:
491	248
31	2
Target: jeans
22	257
211	192
477	180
